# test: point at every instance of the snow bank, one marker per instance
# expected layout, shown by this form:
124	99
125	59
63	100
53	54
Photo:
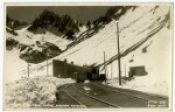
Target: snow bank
13	66
28	92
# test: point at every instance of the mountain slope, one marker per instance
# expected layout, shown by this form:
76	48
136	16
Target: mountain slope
143	28
157	61
144	41
132	31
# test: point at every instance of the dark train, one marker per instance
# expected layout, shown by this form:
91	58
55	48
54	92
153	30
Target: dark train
63	69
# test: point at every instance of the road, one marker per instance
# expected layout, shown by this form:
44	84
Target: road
97	95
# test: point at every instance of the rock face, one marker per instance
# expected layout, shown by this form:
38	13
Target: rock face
58	25
38	52
11	43
15	24
34	53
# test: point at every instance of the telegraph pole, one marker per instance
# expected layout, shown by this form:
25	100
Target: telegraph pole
47	63
105	67
111	74
118	46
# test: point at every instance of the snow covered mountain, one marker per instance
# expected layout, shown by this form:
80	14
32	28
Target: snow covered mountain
53	32
144	39
63	26
31	49
144	33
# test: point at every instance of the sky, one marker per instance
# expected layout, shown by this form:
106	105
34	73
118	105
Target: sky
81	13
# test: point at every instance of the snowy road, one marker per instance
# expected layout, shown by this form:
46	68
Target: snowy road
96	95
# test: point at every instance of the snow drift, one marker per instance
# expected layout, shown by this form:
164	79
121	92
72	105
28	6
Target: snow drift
37	92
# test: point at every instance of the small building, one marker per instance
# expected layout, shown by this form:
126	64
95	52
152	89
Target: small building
137	71
62	69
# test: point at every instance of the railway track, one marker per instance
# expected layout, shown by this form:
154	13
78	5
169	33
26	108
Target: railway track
85	99
76	100
97	99
139	95
101	96
65	99
120	99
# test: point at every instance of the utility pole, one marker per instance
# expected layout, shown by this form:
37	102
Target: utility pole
47	55
105	66
111	74
118	46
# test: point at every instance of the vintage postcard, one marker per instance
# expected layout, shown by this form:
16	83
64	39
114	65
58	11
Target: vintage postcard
88	56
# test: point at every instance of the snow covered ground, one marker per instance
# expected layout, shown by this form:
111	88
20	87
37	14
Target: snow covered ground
37	91
157	62
26	37
145	26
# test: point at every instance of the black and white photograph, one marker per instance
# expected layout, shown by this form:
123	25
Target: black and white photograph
88	56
